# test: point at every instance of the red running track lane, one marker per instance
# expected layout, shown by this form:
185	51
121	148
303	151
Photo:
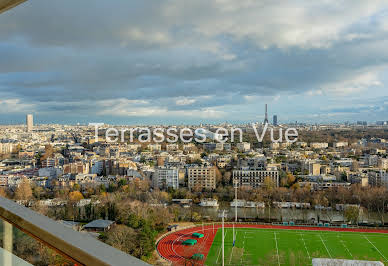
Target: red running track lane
170	247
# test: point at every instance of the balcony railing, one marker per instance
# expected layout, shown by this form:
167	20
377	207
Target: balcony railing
8	4
29	238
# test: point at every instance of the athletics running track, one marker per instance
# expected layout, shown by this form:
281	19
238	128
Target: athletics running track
171	249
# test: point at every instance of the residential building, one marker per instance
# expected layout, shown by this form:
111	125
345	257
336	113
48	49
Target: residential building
29	122
371	160
96	166
201	177
76	168
7	147
378	178
314	169
319	145
99	225
255	178
383	163
164	178
51	172
254	163
243	146
340	144
154	147
172	147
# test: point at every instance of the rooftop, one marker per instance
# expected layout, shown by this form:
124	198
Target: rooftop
99	224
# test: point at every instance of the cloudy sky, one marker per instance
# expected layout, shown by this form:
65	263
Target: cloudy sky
174	61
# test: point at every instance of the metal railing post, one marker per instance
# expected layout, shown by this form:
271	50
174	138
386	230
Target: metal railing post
7	243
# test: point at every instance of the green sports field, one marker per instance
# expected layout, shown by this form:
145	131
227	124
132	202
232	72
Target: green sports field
295	247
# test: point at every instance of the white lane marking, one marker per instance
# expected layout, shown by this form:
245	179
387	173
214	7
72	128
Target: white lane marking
219	253
376	248
343	243
308	253
325	246
277	250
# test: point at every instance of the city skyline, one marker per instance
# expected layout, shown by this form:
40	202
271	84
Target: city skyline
274	122
160	63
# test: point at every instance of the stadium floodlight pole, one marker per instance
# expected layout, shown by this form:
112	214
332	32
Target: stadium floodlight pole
222	214
223	239
234	239
235	208
235	197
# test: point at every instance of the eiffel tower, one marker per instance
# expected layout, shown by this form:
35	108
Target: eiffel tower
266	114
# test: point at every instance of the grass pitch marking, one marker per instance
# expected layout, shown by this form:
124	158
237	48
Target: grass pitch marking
325	246
243	254
231	253
343	244
376	248
277	250
304	242
219	252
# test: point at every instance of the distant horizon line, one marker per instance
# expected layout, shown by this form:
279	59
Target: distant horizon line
207	123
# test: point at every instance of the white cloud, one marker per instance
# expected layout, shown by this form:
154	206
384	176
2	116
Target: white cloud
307	24
15	106
185	101
147	37
353	85
314	92
130	108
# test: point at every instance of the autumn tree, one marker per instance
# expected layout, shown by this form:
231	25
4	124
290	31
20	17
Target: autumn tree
268	184
23	191
3	193
290	179
48	152
75	196
218	175
37	192
227	177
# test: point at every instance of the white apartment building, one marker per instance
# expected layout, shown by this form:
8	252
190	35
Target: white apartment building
172	147
372	160
51	172
211	146
164	178
254	163
222	162
346	162
96	166
379	178
154	147
340	144
275	145
133	147
6	148
188	146
301	144
319	145
243	146
383	163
